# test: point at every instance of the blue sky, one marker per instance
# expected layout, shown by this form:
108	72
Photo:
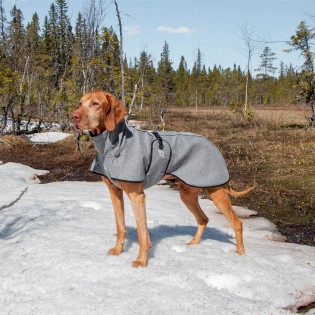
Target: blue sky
213	26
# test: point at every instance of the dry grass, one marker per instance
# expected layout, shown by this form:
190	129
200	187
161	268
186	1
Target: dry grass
275	150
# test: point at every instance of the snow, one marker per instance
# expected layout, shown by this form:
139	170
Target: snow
53	253
15	179
47	137
28	126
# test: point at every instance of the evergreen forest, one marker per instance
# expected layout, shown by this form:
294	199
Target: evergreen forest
45	66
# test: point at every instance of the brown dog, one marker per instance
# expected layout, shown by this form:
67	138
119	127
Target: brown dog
99	111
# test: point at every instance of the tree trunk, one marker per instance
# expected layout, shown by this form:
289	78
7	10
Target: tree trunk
246	93
121	56
196	99
142	89
132	101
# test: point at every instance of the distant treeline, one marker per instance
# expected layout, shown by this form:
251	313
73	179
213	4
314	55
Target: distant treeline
46	66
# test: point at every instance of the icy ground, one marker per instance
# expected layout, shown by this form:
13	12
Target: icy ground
53	256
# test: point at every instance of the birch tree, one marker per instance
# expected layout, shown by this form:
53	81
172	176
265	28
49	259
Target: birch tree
250	46
93	17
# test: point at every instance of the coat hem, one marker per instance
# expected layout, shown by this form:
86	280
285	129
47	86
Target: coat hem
122	180
128	181
198	186
142	181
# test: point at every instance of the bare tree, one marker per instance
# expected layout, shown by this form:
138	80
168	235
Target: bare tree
250	46
132	101
121	55
94	13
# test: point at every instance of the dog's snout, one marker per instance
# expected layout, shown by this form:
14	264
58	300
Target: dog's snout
76	116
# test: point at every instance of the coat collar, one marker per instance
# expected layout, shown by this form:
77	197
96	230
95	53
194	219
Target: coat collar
111	143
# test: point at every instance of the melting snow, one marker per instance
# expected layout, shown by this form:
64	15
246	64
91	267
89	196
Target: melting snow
53	255
47	137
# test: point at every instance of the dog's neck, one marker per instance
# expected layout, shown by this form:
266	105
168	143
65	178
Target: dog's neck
110	143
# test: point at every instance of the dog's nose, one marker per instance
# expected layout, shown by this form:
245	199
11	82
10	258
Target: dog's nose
76	116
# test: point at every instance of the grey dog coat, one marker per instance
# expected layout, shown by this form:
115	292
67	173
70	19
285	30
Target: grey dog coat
133	155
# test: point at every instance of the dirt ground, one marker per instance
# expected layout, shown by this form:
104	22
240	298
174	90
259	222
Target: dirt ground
275	150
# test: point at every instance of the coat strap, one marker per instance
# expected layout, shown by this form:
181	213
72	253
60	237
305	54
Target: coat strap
159	138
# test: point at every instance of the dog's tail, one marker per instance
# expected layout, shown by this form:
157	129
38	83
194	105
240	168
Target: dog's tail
242	193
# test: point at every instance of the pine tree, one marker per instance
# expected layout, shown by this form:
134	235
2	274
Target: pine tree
18	63
50	43
182	83
2	30
33	36
16	36
110	62
165	74
301	42
281	70
266	67
196	71
80	56
146	77
265	77
63	32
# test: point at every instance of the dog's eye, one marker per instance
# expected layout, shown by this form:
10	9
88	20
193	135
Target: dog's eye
95	103
80	104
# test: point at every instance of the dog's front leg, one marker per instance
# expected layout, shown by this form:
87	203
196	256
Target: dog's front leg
116	196
137	198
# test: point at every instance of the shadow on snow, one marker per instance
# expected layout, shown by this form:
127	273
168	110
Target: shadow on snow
161	232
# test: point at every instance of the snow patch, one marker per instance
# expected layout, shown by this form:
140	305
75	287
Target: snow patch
15	180
47	137
53	253
23	172
244	213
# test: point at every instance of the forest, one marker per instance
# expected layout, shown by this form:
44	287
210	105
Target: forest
45	66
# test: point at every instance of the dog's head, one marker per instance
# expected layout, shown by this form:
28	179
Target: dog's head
98	111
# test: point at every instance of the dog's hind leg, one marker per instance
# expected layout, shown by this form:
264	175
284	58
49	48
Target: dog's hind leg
221	199
189	196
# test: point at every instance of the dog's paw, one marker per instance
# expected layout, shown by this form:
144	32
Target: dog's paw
193	242
139	263
115	251
240	251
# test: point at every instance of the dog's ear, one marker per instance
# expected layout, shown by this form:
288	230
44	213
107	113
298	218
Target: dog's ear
115	113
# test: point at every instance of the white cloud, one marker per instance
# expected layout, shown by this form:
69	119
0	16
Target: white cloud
131	29
178	30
